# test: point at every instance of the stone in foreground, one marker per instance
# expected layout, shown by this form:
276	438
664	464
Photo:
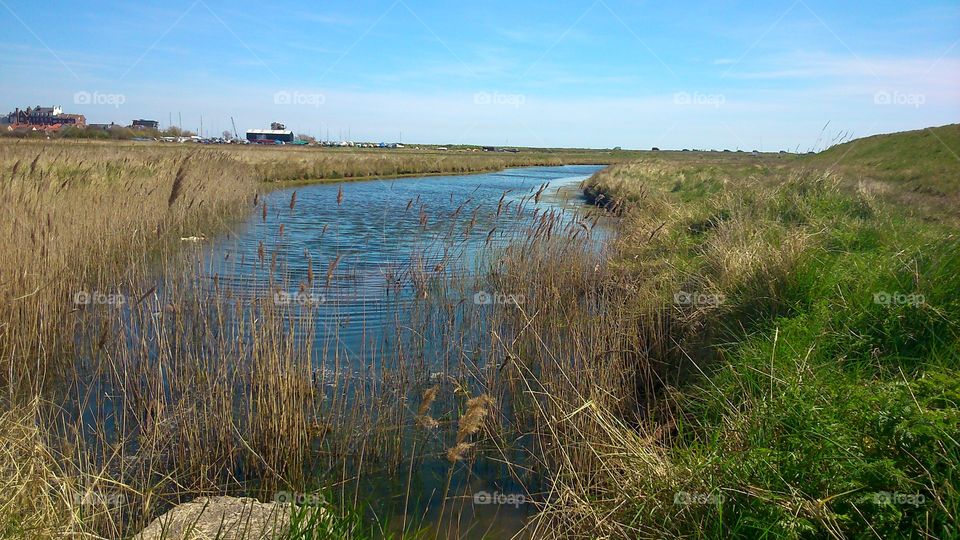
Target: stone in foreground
221	518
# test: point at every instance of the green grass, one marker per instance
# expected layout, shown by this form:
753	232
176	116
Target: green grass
926	159
310	522
817	409
841	400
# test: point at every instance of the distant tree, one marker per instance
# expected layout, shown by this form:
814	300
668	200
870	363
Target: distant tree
174	131
73	132
227	135
307	138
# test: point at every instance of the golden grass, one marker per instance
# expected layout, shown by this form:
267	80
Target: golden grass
290	164
77	222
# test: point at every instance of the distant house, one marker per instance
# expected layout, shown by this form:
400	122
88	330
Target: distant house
43	116
77	120
145	124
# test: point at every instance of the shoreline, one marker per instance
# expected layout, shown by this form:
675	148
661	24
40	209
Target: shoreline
346	180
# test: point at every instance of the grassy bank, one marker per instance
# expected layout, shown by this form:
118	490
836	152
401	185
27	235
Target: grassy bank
806	377
293	164
916	170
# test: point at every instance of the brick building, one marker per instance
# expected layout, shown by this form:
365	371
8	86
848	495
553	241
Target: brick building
44	117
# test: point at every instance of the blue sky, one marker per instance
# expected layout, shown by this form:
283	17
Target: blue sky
603	73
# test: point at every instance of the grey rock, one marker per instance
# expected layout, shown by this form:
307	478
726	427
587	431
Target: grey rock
220	518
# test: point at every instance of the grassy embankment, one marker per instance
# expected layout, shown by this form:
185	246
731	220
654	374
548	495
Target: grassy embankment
286	165
807	331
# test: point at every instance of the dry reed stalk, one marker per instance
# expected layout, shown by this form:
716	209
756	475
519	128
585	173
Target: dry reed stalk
472	420
458	452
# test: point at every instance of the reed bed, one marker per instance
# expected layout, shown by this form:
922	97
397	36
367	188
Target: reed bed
85	233
76	222
159	383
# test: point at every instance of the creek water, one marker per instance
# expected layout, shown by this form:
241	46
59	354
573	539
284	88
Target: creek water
365	238
361	245
350	257
380	230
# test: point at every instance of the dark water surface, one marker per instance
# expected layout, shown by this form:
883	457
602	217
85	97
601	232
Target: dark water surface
364	244
382	231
